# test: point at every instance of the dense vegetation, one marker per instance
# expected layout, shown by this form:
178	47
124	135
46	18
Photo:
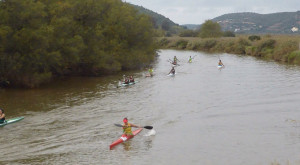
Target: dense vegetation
163	26
279	48
41	39
209	29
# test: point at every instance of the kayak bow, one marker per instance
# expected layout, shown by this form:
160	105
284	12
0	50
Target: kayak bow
124	138
13	120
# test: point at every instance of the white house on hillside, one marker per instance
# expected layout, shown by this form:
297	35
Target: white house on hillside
294	29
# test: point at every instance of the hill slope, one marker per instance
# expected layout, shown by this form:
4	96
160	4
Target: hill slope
160	22
158	18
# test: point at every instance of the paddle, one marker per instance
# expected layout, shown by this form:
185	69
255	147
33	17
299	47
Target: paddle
147	127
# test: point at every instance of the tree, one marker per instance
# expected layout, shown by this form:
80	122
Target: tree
166	25
210	29
59	37
254	37
228	34
188	33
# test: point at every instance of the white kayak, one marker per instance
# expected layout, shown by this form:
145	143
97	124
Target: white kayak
13	120
171	75
221	66
121	84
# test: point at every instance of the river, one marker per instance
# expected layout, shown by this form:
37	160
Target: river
244	114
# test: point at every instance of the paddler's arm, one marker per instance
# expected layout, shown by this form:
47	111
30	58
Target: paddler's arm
132	125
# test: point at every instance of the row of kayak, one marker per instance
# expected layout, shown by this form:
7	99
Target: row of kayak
125	137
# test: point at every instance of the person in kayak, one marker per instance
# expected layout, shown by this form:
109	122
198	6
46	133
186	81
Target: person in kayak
125	79
172	71
131	79
127	127
175	59
220	63
190	59
2	116
150	71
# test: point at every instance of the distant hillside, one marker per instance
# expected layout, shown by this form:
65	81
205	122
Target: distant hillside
160	21
280	23
191	26
248	23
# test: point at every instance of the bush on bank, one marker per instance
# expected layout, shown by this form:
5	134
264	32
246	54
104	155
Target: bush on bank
278	48
43	39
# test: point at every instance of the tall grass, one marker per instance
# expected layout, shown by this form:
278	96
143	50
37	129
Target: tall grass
278	47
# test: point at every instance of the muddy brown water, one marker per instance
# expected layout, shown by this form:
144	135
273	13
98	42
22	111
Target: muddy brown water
248	113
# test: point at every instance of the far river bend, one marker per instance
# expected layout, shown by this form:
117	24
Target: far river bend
245	114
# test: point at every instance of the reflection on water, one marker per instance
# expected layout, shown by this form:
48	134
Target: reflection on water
247	113
126	145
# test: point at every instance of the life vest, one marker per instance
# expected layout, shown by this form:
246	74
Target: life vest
127	129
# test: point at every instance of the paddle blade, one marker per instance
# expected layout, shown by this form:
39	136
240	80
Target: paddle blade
118	125
148	127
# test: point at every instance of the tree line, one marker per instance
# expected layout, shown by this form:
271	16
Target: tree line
43	39
209	29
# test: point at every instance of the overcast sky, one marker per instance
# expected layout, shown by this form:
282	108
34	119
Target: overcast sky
197	11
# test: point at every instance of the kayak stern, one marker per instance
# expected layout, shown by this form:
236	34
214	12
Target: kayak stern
124	138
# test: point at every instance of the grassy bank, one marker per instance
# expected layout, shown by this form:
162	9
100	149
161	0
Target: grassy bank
278	47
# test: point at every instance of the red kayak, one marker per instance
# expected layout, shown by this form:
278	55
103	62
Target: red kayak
124	138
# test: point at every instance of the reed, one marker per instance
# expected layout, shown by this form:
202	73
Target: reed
281	48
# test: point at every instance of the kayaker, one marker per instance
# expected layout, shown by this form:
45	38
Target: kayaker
131	79
150	71
126	80
127	127
190	59
172	71
2	116
220	63
175	59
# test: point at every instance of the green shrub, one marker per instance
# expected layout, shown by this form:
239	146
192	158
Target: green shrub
267	53
240	46
270	43
283	49
229	47
254	37
188	33
228	34
181	44
294	58
251	50
163	42
209	44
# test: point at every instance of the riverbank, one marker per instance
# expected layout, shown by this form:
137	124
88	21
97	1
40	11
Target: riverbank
278	47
